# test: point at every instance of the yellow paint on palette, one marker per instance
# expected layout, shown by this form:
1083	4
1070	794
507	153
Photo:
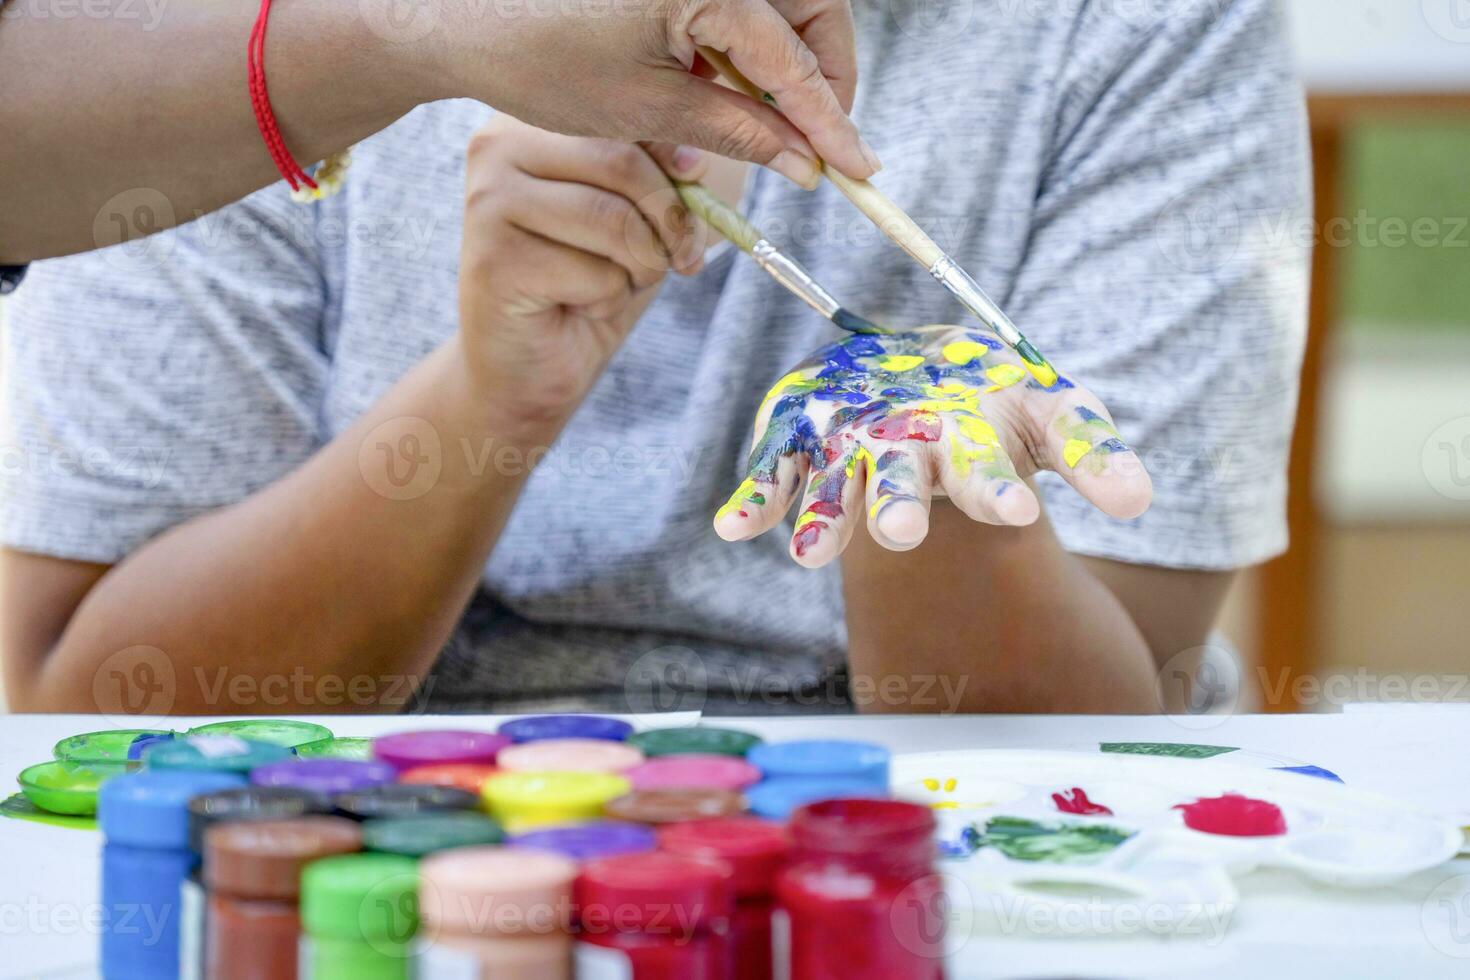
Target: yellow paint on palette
962	352
1074	450
898	363
1005	375
932	785
737	500
1042	372
976	429
950	784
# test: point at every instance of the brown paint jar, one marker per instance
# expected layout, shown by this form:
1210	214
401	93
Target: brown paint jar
666	806
253	875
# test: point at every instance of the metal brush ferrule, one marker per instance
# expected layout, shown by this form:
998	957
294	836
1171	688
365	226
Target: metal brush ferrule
790	273
973	298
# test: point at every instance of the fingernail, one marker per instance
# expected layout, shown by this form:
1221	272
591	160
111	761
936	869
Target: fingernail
869	155
796	167
686	158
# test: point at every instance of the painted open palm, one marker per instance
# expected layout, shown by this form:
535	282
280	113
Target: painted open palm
880	423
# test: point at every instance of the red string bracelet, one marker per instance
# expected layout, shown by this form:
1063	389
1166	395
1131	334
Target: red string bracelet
303	185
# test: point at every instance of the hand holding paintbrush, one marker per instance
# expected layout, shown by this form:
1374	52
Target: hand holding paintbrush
905	232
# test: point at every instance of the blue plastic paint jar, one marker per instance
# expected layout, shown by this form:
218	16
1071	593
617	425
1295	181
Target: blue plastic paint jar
584	842
861	762
774	799
538	727
144	818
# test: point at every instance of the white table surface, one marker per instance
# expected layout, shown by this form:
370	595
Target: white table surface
1283	927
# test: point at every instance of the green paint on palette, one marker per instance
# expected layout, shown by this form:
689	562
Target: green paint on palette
109	748
1029	840
360	749
18	807
1179	750
276	731
65	787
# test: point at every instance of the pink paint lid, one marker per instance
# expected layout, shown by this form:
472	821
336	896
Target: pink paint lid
492	889
406	750
694	772
569	755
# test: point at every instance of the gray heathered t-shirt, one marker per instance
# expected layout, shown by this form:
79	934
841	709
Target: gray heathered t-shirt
1127	180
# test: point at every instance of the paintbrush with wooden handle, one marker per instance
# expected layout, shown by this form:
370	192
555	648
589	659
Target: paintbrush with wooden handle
897	225
782	267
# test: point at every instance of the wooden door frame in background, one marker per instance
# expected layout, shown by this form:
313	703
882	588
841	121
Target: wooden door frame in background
1289	587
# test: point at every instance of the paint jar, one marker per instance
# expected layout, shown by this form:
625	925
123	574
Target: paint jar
535	728
586	841
404	800
694	772
695	740
522	800
144	742
824	759
666	806
252	873
242	803
860	868
213	753
775	799
496	913
755	851
325	776
64	787
359	913
426	834
654	917
100	750
360	749
406	750
144	821
469	776
569	755
276	731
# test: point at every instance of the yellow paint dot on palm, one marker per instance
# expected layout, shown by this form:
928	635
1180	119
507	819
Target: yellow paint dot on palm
976	429
963	457
737	500
806	518
1043	372
1074	450
1005	375
898	363
964	351
861	456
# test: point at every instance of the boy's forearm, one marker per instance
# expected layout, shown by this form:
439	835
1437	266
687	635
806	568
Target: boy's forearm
89	163
988	619
350	572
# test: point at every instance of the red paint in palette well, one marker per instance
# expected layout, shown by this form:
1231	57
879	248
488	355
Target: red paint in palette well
1076	801
1233	815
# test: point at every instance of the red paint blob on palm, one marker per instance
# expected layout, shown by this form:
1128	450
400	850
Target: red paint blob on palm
1233	815
807	535
1076	801
923	426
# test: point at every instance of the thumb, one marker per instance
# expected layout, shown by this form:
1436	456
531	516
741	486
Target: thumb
734	125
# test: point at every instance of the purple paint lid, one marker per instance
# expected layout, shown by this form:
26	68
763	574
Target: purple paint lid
539	727
326	776
409	749
584	842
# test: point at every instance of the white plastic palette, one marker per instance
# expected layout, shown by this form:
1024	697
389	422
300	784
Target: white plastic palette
1031	855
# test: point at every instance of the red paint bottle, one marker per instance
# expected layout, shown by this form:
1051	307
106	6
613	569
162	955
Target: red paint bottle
860	899
653	917
755	850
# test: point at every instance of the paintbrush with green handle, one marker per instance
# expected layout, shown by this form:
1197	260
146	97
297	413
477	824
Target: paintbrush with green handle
782	267
904	231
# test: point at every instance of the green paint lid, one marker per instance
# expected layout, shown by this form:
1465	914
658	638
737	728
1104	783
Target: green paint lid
103	748
695	740
361	897
346	959
417	836
276	731
359	749
213	753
